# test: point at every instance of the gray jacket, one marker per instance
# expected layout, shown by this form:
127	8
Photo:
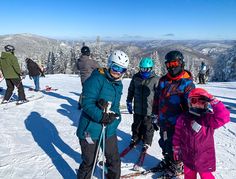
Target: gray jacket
86	66
142	91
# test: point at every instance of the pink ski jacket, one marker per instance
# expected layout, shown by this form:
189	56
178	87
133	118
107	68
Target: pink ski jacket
195	137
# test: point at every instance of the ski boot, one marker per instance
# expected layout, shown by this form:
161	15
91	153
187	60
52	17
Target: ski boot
133	143
22	101
4	101
162	166
176	169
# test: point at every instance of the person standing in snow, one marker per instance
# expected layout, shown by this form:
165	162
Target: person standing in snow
141	89
170	100
202	73
11	71
193	140
102	87
85	65
34	72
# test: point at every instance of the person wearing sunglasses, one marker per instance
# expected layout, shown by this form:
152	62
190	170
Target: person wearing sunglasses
170	100
141	92
103	87
193	140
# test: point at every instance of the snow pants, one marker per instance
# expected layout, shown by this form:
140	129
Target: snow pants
88	156
201	78
191	174
165	142
10	88
142	128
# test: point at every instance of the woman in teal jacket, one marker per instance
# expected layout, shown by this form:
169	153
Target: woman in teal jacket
102	87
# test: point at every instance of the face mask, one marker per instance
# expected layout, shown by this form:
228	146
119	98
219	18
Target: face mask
145	75
175	71
197	111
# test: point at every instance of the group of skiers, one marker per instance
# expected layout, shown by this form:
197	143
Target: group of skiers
185	116
13	75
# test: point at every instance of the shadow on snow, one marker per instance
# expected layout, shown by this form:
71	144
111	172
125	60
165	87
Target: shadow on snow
46	136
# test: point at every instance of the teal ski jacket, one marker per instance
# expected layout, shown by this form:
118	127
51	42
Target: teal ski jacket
100	85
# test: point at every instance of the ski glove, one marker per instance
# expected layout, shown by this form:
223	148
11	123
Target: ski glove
108	118
129	107
176	153
102	104
155	124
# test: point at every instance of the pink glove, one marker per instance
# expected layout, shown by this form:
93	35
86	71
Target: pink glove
176	152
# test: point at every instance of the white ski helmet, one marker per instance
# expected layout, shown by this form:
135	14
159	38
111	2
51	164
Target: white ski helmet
118	57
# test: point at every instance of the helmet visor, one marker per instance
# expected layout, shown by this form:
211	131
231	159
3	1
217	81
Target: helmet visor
173	64
118	69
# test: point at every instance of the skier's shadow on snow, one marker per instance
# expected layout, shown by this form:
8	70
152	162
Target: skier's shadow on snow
69	110
46	136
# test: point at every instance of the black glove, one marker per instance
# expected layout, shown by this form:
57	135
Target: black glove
102	104
108	118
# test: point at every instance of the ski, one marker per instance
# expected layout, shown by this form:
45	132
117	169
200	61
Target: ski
6	107
158	174
49	88
125	151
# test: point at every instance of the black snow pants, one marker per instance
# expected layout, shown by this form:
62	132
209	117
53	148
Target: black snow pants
112	158
10	88
142	128
201	79
165	142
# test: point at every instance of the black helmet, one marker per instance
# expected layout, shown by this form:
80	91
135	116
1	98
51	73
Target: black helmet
9	48
85	50
173	55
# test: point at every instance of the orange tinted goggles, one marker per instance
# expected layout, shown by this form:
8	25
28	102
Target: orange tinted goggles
173	64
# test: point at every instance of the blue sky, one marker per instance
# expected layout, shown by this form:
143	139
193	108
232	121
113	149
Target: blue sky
150	19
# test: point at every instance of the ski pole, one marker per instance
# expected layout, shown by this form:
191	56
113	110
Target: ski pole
103	153
104	143
102	136
98	148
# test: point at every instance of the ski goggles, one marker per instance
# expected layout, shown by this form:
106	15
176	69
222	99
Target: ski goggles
118	69
145	69
173	64
197	101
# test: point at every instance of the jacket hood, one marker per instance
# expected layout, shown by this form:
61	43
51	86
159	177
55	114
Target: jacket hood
5	55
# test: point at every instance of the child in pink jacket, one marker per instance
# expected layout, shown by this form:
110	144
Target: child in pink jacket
193	141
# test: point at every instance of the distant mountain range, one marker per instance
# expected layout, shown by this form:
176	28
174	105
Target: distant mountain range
41	48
